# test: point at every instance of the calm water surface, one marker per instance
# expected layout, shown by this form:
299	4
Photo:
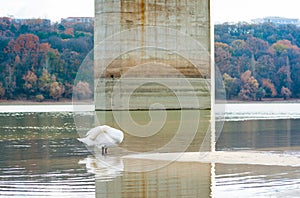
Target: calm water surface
41	157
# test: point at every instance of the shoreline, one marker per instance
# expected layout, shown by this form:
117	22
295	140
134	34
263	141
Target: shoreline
32	102
89	102
263	101
47	102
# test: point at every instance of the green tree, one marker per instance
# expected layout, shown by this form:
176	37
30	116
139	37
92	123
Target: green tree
2	91
44	83
57	89
241	58
231	86
265	67
30	53
260	93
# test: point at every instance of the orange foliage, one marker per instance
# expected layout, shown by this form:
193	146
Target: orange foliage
27	49
82	90
69	31
222	55
56	90
282	45
249	87
268	84
285	92
30	82
17	60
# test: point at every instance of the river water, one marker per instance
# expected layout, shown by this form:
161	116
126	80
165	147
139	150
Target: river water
41	157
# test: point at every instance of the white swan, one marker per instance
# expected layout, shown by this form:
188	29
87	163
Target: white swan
103	137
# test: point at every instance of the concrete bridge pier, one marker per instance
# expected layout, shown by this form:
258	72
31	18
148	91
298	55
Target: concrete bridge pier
152	52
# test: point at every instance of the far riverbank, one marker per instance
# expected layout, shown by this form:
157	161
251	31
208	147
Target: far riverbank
90	102
265	100
46	102
32	102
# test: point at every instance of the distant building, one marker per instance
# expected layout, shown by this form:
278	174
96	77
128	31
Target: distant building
5	20
276	20
77	20
44	22
32	21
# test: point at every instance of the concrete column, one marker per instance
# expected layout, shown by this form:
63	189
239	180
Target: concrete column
138	40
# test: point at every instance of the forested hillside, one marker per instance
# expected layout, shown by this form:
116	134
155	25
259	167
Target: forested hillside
39	60
258	60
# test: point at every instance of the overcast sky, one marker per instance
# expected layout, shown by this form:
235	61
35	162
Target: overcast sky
50	9
223	10
245	10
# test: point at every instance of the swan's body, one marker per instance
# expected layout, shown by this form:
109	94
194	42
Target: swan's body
103	137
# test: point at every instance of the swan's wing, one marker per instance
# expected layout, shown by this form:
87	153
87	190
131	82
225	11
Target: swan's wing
114	135
104	139
104	135
94	132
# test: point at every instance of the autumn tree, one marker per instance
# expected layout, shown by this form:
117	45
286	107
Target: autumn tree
28	49
24	54
30	85
249	86
222	56
285	92
69	31
270	52
269	87
82	91
282	46
256	46
38	46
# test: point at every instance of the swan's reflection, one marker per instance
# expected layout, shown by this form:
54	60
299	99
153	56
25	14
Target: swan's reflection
104	167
